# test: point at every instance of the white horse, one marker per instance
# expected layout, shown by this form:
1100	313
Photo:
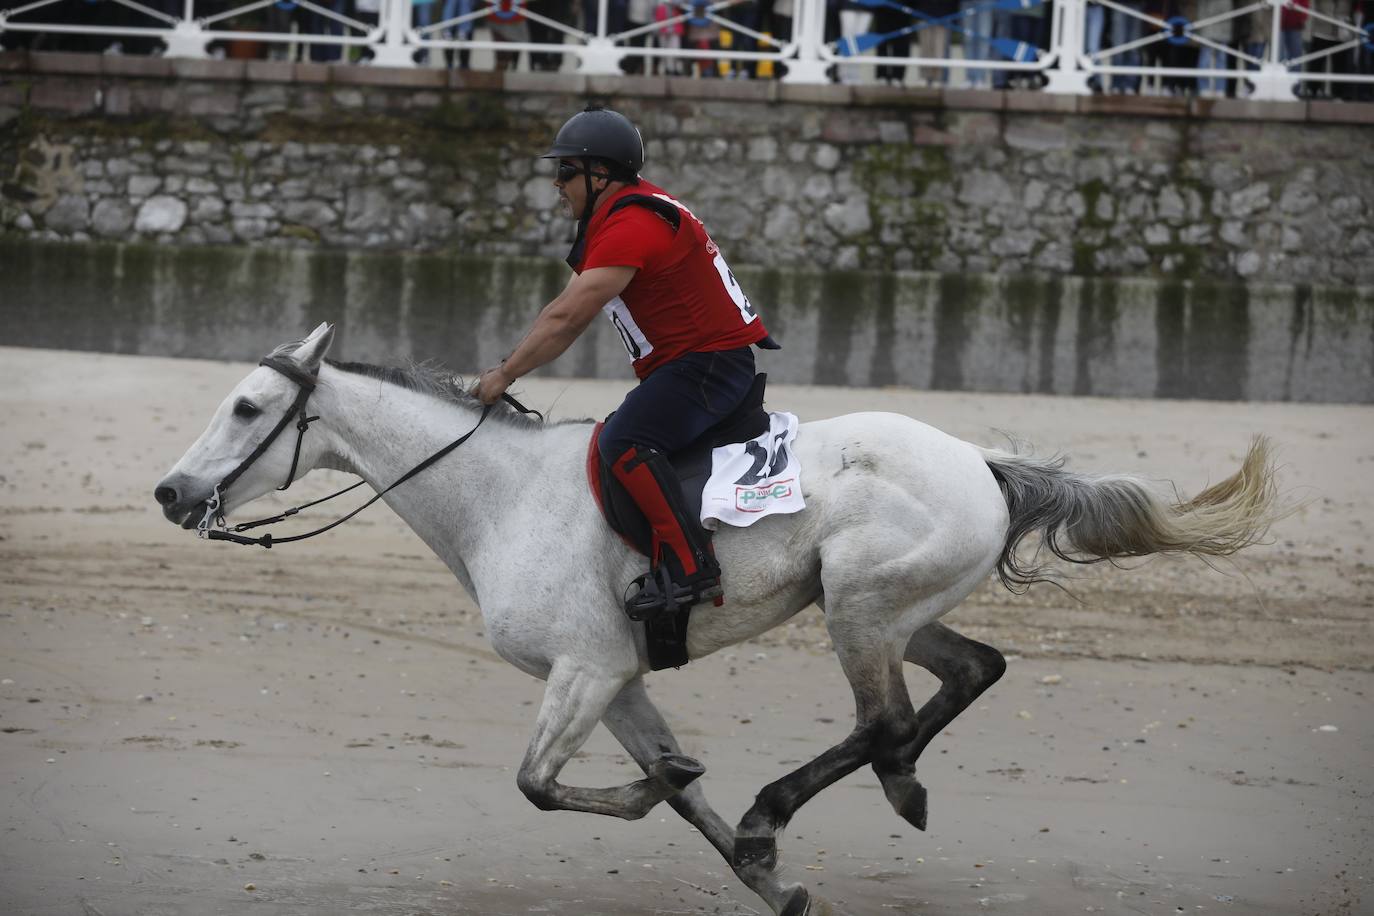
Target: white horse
901	523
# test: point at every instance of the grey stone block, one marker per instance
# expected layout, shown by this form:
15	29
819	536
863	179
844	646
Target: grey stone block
208	210
143	185
259	211
161	214
69	213
112	218
849	216
313	213
250	229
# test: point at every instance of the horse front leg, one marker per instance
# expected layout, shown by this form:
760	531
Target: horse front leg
575	699
636	723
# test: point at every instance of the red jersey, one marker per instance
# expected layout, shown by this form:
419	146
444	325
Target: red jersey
683	298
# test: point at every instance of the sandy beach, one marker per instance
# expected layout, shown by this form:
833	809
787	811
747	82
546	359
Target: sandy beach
199	728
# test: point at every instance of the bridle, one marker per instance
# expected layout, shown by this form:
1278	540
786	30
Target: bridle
213	526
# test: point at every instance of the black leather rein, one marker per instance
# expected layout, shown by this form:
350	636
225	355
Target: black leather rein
213	527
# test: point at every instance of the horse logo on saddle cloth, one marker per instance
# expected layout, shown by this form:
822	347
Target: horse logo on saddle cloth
741	470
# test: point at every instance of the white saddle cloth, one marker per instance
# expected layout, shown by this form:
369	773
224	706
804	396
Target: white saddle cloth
754	479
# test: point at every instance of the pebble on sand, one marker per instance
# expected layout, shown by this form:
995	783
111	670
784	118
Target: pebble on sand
1326	728
1051	679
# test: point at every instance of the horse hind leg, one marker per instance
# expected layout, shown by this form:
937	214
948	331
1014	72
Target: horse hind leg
966	668
636	723
574	701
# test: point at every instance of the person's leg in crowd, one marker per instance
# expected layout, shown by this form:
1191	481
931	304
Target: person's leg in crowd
976	21
1125	29
1094	18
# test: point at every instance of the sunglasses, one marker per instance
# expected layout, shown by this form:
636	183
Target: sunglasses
567	171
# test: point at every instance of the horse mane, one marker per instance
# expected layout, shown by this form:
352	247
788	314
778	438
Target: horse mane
432	380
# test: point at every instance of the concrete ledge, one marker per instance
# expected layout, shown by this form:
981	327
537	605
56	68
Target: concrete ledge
270	71
1147	106
654	87
1246	110
15	62
815	95
115	68
227	70
555	83
398	77
897	97
734	90
975	99
1340	112
476	80
65	62
310	72
131	65
1042	102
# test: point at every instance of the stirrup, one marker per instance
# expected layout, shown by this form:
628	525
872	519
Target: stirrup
659	594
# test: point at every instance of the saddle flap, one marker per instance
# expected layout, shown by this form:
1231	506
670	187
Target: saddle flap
691	463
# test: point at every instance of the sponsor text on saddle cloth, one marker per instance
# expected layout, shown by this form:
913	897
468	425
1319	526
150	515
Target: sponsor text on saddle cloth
754	479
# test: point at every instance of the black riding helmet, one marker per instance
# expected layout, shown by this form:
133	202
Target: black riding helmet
599	133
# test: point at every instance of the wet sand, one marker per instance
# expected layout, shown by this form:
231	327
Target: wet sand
325	721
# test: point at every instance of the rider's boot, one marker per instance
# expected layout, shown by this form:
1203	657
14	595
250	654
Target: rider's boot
684	570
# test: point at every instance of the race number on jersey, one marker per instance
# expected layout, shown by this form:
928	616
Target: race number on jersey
727	276
631	336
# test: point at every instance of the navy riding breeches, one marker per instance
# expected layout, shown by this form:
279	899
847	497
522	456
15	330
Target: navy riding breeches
678	402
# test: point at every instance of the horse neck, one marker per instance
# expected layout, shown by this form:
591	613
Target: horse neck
380	431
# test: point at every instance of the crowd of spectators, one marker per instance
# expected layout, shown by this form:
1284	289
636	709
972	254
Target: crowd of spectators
1209	35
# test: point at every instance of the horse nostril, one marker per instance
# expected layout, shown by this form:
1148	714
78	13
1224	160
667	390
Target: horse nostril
165	496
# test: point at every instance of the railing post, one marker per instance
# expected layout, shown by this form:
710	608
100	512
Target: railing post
1273	82
808	67
187	39
394	50
1065	77
601	56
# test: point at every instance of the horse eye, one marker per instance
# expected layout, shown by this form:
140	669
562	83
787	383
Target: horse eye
245	409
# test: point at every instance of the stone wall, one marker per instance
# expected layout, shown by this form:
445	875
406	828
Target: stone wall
966	182
1098	336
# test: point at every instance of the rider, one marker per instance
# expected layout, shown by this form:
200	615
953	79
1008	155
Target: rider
646	260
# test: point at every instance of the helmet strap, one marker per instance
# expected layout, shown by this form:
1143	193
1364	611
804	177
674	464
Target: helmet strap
580	243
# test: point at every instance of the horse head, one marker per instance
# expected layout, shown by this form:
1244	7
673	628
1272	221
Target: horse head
226	456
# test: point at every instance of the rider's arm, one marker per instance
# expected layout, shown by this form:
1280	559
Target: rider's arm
566	317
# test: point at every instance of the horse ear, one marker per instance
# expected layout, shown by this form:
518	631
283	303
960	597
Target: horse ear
314	347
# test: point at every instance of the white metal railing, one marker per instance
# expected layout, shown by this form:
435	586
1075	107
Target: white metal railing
1061	43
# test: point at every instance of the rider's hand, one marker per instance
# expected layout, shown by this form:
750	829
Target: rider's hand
491	384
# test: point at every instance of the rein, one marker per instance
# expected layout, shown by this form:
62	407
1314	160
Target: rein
213	527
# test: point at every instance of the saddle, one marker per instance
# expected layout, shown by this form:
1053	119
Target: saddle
667	633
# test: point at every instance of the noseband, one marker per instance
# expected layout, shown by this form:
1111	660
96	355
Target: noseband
213	527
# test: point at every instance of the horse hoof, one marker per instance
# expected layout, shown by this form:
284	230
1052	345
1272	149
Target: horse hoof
676	771
914	807
755	852
798	904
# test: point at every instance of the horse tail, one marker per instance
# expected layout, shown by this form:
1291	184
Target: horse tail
1088	518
